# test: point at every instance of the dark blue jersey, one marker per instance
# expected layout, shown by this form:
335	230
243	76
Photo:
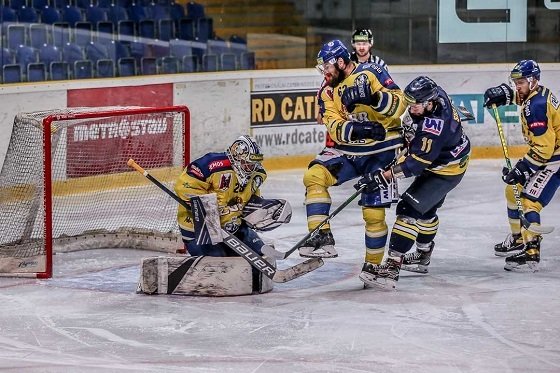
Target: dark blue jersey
439	144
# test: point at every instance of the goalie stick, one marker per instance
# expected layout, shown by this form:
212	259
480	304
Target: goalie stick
257	261
533	228
272	252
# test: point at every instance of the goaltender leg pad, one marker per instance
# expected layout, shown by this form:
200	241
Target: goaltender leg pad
200	275
207	228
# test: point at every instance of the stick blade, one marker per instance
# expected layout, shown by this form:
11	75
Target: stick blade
539	229
298	270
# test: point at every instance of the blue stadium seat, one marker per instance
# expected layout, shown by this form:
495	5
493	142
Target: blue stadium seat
176	11
137	13
72	52
186	29
169	65
8	14
237	39
27	15
72	14
25	55
50	15
96	51
39	4
204	29
190	64
179	48
83	33
195	10
166	29
16	4
157	12
228	62
16	36
217	47
59	70
61	4
127	66
60	33
105	29
95	14
116	13
126	30
247	61
83	69
36	72
38	34
210	62
147	29
7	56
49	53
83	4
11	73
104	68
148	66
137	51
104	3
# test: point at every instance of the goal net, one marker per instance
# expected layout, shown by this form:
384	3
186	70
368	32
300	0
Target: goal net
65	183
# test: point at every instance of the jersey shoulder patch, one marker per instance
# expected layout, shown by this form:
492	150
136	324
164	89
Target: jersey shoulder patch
433	125
210	163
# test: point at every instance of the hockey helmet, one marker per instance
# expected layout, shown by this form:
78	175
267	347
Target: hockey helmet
422	89
526	69
361	35
245	156
332	51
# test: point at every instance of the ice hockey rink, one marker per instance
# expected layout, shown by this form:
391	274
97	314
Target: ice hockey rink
466	315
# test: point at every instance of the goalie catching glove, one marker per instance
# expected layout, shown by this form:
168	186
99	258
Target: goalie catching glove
266	214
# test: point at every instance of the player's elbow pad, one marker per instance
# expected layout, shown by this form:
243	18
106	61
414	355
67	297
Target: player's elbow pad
386	103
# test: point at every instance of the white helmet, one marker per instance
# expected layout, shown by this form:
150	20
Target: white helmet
245	156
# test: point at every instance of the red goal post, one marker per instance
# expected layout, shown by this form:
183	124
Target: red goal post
65	183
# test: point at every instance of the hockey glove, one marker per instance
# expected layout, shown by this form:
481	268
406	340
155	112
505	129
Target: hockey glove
367	130
500	95
356	94
373	181
520	174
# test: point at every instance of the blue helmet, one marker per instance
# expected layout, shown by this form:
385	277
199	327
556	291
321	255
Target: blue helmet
421	89
332	51
526	69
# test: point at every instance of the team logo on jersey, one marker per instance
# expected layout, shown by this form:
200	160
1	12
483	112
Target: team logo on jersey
361	81
215	164
433	125
388	82
534	125
257	182
225	181
194	170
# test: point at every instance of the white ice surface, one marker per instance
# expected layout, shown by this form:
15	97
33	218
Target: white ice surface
466	315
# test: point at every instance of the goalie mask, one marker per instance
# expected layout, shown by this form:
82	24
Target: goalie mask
245	156
266	214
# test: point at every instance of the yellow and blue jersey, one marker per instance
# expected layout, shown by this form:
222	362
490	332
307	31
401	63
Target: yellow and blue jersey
213	173
540	119
387	111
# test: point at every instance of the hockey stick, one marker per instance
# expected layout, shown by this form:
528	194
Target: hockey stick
272	252
257	261
465	113
533	228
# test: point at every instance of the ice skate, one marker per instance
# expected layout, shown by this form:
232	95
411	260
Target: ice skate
527	259
419	260
320	245
511	245
383	276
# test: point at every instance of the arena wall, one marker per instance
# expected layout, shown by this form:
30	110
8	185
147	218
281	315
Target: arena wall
275	106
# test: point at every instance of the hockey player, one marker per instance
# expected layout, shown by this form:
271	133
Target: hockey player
438	155
362	108
235	176
362	43
538	171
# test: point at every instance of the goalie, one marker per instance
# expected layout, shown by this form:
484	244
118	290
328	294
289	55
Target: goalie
224	191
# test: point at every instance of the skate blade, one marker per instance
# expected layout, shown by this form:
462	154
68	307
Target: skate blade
507	253
415	268
528	267
370	280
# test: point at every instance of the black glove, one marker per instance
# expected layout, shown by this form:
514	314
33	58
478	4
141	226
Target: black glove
357	94
367	130
500	95
373	181
520	174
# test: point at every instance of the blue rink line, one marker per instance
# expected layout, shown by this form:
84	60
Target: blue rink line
124	279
